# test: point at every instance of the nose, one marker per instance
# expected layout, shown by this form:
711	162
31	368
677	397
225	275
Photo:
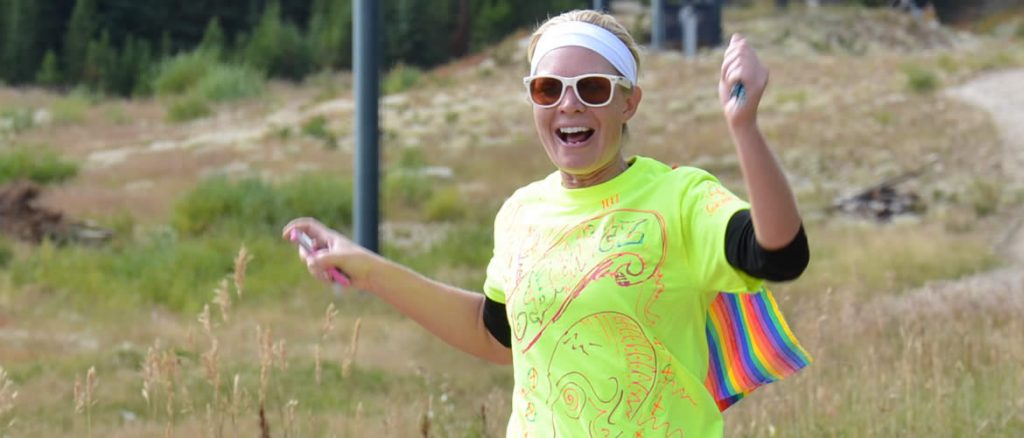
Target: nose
570	101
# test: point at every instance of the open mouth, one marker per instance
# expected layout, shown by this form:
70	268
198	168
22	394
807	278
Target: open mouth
574	135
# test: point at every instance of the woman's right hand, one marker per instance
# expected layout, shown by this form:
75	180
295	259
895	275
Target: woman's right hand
332	249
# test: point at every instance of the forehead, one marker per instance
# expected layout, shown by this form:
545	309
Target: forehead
574	61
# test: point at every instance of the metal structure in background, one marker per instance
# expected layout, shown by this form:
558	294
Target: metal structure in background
366	213
689	20
657	24
601	5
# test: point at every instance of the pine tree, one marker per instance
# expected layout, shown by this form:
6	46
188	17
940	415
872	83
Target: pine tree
130	68
49	72
213	38
166	45
19	55
330	33
81	28
100	63
278	48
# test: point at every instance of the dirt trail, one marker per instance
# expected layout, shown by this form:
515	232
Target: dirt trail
1002	95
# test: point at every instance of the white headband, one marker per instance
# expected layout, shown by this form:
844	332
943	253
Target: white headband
590	36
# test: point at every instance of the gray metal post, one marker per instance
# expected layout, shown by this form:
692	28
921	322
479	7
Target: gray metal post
688	21
601	5
657	24
367	156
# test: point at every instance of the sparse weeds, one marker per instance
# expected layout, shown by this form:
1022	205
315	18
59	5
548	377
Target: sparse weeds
15	119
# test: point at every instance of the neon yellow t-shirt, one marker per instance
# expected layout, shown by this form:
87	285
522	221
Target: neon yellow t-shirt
606	291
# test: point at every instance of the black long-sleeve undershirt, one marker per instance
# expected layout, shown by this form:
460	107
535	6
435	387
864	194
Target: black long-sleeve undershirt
744	252
741	250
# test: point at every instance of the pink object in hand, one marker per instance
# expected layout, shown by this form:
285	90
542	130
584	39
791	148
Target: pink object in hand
307	243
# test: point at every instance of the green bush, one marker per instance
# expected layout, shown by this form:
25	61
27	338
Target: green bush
920	80
446	205
252	206
224	82
985	197
41	166
401	78
181	73
192	106
408	187
325	197
317	128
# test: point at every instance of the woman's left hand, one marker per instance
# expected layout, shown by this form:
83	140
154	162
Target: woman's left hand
741	66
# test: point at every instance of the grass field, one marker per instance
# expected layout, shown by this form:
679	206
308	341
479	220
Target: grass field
914	324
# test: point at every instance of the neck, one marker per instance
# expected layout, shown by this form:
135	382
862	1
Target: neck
606	173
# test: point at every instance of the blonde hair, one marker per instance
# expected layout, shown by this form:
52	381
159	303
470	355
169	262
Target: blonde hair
605	21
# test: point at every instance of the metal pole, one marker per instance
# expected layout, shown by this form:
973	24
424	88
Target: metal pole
688	20
657	24
367	156
601	5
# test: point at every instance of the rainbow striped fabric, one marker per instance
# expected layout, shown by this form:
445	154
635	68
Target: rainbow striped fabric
749	345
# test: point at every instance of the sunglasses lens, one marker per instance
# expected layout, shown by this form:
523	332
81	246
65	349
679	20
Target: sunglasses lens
545	91
594	90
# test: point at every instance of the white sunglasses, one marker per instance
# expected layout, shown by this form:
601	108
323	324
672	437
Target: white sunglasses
594	90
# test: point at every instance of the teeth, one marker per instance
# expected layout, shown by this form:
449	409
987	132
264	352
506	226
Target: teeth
573	130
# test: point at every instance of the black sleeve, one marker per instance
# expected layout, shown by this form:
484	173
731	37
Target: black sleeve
745	254
496	321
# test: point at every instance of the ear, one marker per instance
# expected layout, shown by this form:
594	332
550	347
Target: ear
633	102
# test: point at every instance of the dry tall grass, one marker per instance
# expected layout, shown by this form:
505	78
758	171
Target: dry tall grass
8	395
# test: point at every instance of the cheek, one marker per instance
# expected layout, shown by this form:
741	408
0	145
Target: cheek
541	121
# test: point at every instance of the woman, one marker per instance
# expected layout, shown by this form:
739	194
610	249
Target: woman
603	272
